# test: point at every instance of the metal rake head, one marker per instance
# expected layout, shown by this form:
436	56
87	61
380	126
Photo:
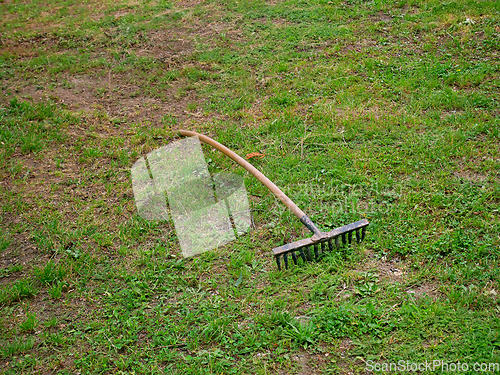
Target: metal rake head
319	243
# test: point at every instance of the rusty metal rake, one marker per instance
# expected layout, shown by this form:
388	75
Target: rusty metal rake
307	249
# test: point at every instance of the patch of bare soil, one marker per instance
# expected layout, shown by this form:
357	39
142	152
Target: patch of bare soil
471	175
167	45
424	290
346	364
68	309
188	3
445	114
308	364
17	51
395	271
120	100
153	110
304	361
380	17
78	93
22	251
372	47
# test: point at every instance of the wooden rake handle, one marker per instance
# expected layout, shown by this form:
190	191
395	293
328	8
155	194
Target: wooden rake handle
250	168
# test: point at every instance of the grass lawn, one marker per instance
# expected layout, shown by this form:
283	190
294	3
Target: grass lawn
386	110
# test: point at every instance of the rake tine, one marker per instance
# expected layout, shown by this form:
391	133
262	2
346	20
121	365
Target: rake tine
294	257
278	262
358	236
363	233
349	235
316	251
330	245
302	255
285	258
308	254
337	242
343	239
323	247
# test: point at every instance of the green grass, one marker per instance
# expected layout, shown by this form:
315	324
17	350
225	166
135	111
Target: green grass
383	109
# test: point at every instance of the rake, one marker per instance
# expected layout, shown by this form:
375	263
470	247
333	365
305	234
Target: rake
307	249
